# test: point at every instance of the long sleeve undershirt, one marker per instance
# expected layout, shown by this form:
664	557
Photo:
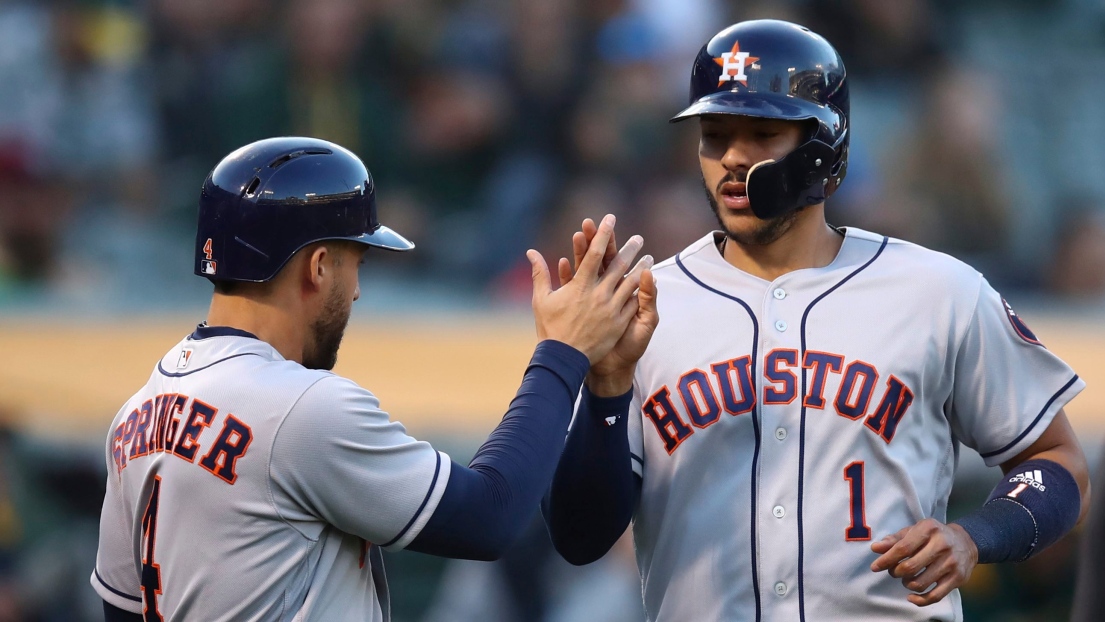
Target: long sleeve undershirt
487	504
595	491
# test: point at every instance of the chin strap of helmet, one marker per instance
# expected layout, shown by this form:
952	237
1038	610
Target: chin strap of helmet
804	177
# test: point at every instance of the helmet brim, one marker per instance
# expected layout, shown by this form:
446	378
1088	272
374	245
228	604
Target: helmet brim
385	238
764	105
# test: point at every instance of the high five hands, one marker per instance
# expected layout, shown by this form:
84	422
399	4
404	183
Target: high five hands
612	375
592	309
598	310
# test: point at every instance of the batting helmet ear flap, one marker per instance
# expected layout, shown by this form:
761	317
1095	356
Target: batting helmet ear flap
775	187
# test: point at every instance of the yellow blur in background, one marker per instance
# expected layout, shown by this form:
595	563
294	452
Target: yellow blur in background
453	376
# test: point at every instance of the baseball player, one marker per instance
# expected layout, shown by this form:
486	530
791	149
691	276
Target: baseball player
247	482
786	445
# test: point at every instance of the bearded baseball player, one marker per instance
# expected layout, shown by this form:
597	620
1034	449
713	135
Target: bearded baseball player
786	445
248	482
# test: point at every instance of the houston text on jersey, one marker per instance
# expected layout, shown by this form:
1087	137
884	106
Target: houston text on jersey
728	386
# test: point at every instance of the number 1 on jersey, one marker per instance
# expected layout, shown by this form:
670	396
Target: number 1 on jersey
858	530
151	572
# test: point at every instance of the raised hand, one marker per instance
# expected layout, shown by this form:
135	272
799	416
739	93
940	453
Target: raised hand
613	374
592	311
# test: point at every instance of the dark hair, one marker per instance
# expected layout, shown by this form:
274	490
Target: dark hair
232	288
227	288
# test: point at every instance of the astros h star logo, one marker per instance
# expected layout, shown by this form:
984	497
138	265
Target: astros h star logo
733	63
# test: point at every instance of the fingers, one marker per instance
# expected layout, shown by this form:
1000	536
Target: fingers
582	238
646	293
906	547
611	250
613	277
564	271
919	561
627	312
884	545
539	270
629	285
580	241
591	264
922	556
942	589
933	573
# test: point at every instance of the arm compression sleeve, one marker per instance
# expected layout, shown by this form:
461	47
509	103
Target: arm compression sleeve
487	505
1033	506
595	490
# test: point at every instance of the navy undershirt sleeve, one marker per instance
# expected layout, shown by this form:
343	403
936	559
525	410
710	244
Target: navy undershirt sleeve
115	614
488	504
595	491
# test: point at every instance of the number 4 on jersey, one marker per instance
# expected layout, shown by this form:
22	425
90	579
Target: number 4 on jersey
151	572
858	530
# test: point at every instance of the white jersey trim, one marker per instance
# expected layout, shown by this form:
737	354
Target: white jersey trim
115	597
429	504
1034	430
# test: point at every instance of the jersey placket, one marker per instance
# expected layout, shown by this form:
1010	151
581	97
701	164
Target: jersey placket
780	414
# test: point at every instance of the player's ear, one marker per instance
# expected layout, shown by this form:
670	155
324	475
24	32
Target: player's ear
316	265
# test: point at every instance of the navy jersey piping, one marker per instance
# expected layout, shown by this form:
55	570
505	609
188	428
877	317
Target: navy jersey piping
425	500
185	373
755	422
802	424
113	590
1034	421
203	331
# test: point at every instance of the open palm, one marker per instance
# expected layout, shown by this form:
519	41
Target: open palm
618	364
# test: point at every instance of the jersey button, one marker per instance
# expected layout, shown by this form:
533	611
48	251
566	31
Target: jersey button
780	433
781	588
779	293
780	326
779	512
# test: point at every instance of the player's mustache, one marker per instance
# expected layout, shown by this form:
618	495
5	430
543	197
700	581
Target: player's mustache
732	177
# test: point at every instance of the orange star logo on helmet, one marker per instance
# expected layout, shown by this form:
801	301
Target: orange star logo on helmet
733	63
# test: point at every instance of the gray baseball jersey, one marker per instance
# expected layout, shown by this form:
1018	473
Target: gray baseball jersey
242	486
779	427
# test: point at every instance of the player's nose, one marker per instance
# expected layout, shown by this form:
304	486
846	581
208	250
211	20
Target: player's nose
737	156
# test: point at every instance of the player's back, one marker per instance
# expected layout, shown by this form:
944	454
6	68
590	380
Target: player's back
190	460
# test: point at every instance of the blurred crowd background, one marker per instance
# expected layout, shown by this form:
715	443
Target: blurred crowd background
492	126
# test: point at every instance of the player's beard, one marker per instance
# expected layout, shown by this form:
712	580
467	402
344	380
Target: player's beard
327	331
765	233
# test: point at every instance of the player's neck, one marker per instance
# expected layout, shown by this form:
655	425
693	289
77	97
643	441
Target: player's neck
810	243
268	319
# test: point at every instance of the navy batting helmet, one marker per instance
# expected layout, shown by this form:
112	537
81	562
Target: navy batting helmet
267	200
779	70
